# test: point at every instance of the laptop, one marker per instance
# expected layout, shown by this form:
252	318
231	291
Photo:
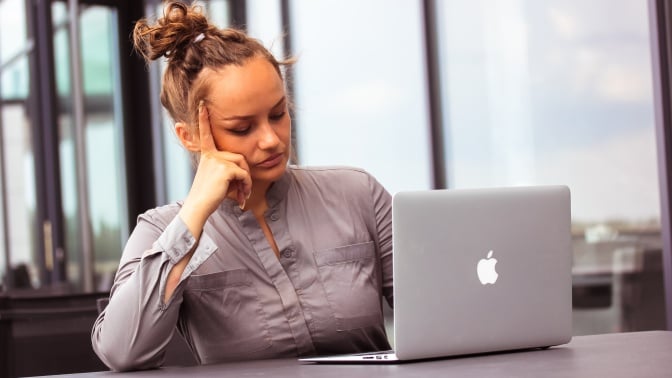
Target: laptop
478	271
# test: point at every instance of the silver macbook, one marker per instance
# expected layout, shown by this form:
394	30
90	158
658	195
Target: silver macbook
477	271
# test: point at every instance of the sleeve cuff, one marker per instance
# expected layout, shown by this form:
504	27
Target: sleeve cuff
176	240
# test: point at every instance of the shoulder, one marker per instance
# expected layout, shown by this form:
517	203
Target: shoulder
161	216
334	175
338	181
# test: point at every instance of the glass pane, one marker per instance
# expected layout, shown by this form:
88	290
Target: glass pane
13	48
103	139
218	12
362	103
20	196
66	146
18	251
177	162
264	22
4	251
104	130
557	93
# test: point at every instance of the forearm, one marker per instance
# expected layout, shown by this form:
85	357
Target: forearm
136	326
141	316
194	220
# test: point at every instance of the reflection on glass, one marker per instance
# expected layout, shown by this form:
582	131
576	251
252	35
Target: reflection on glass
20	186
3	237
360	88
19	214
66	145
557	93
104	157
13	49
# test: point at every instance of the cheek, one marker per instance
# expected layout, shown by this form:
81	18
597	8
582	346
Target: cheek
285	131
228	143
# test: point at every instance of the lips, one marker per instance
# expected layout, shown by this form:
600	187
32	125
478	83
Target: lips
271	161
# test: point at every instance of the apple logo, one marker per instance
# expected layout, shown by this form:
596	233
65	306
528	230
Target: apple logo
486	270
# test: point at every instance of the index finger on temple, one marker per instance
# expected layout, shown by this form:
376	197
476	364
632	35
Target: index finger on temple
205	133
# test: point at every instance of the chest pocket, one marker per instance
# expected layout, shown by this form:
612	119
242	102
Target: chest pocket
348	275
224	316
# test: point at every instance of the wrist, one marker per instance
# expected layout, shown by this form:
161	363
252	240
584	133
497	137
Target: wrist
193	218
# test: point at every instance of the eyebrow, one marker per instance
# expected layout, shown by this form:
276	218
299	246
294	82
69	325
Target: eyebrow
246	117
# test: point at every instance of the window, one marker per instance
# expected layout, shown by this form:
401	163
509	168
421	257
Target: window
19	250
103	160
558	93
359	88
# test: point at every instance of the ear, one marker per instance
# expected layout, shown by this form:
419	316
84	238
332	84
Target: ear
188	137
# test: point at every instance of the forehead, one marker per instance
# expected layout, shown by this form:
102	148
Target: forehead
245	89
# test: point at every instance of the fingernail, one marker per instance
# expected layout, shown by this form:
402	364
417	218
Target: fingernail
200	106
248	195
242	206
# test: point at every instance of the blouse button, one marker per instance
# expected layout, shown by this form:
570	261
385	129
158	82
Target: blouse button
287	253
274	217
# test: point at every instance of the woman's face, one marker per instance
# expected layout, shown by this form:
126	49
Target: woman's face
247	107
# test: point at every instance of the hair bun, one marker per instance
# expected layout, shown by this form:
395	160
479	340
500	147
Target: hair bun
172	34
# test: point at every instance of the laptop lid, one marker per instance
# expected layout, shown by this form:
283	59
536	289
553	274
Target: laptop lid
481	270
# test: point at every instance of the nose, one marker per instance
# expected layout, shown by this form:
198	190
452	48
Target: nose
268	138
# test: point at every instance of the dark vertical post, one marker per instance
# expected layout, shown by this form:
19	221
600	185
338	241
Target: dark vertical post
434	94
660	20
49	212
3	192
138	115
288	51
238	14
154	111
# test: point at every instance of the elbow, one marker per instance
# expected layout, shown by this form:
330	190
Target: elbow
121	359
118	357
119	363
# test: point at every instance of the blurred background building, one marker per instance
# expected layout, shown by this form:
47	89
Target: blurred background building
423	94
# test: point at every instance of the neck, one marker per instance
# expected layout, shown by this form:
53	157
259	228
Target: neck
257	201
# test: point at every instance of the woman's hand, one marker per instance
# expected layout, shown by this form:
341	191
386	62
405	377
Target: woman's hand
220	174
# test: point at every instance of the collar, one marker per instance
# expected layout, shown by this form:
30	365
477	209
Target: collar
275	194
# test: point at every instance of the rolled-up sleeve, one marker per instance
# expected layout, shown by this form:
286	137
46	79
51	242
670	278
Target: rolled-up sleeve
136	326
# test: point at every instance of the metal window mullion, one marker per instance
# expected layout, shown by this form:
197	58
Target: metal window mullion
49	211
660	22
3	189
433	81
155	110
238	14
84	224
288	51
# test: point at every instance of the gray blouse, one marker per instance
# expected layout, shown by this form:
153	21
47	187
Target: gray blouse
236	299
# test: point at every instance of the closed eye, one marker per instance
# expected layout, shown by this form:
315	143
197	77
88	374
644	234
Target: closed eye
243	131
277	116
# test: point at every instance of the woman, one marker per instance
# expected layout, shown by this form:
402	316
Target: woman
262	259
